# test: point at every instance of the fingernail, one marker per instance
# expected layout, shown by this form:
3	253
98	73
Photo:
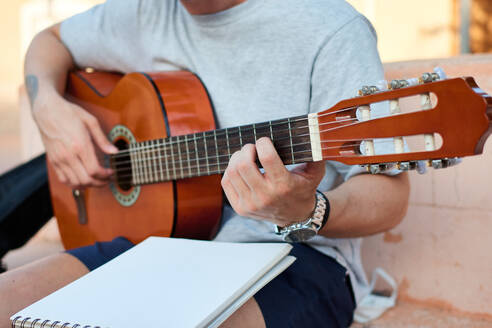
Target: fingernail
112	149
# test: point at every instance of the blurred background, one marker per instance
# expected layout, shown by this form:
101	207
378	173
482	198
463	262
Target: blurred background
407	30
440	254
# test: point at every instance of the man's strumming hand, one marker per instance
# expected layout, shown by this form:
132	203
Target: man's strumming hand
278	195
69	134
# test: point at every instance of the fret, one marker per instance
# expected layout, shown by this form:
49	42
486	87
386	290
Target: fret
148	160
212	157
148	150
227	140
216	150
240	138
281	139
139	163
301	135
164	148
133	164
154	157
141	153
136	175
171	143
197	157
247	135
234	141
262	130
254	131
206	151
159	159
271	130
290	138
188	155
178	144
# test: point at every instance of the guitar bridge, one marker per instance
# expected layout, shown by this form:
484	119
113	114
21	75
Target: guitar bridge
79	196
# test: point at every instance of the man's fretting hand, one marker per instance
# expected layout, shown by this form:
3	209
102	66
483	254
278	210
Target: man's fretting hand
279	195
69	134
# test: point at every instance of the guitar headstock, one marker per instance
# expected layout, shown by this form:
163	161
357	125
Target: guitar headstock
430	118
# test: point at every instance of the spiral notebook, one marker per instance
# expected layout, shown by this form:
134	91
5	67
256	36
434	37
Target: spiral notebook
162	282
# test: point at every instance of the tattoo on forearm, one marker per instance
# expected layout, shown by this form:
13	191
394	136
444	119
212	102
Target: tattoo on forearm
32	87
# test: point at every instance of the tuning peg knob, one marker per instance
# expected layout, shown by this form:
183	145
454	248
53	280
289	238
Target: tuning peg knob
444	162
407	166
421	167
379	168
440	72
368	90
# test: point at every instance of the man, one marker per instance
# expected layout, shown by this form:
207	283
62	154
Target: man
260	60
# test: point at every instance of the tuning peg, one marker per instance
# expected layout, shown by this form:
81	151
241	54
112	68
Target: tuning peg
431	76
368	90
440	72
378	168
407	166
398	84
444	162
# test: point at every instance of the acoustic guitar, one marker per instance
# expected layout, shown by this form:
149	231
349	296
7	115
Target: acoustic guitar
168	170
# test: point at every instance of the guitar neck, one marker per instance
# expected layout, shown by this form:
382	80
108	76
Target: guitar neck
207	153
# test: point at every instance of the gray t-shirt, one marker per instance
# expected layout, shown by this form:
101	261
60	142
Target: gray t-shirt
260	60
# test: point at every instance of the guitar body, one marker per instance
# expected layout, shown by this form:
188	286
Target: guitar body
139	107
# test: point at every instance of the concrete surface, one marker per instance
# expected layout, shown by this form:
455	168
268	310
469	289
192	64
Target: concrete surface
414	315
440	253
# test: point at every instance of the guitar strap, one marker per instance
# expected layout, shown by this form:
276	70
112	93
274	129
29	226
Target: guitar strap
25	204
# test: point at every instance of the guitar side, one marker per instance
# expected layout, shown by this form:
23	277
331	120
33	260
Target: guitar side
150	107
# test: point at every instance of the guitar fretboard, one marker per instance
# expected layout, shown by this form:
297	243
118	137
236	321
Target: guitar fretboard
206	153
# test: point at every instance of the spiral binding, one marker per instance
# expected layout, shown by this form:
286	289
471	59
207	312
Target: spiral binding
18	322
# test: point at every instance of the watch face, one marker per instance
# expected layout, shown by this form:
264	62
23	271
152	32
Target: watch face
300	235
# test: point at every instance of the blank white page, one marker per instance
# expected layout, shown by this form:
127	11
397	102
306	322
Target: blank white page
162	282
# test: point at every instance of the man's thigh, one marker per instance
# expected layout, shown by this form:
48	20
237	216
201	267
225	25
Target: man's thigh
25	285
314	291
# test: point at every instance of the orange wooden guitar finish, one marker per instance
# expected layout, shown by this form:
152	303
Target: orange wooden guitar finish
167	173
186	208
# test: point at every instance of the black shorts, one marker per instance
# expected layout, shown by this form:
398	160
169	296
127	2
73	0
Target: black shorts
314	291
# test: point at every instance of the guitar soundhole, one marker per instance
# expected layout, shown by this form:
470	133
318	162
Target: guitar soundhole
123	164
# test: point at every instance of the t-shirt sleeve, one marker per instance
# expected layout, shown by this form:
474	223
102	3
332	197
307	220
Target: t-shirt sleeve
110	35
347	61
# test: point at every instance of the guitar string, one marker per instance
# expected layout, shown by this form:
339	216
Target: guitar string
153	173
176	141
223	131
320	132
150	146
184	177
221	171
268	124
151	159
153	147
151	151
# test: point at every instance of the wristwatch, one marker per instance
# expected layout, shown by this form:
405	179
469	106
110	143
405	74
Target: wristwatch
305	230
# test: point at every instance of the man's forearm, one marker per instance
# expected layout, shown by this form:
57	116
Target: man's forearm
46	66
366	204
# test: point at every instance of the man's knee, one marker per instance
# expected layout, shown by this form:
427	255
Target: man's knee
248	315
23	286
